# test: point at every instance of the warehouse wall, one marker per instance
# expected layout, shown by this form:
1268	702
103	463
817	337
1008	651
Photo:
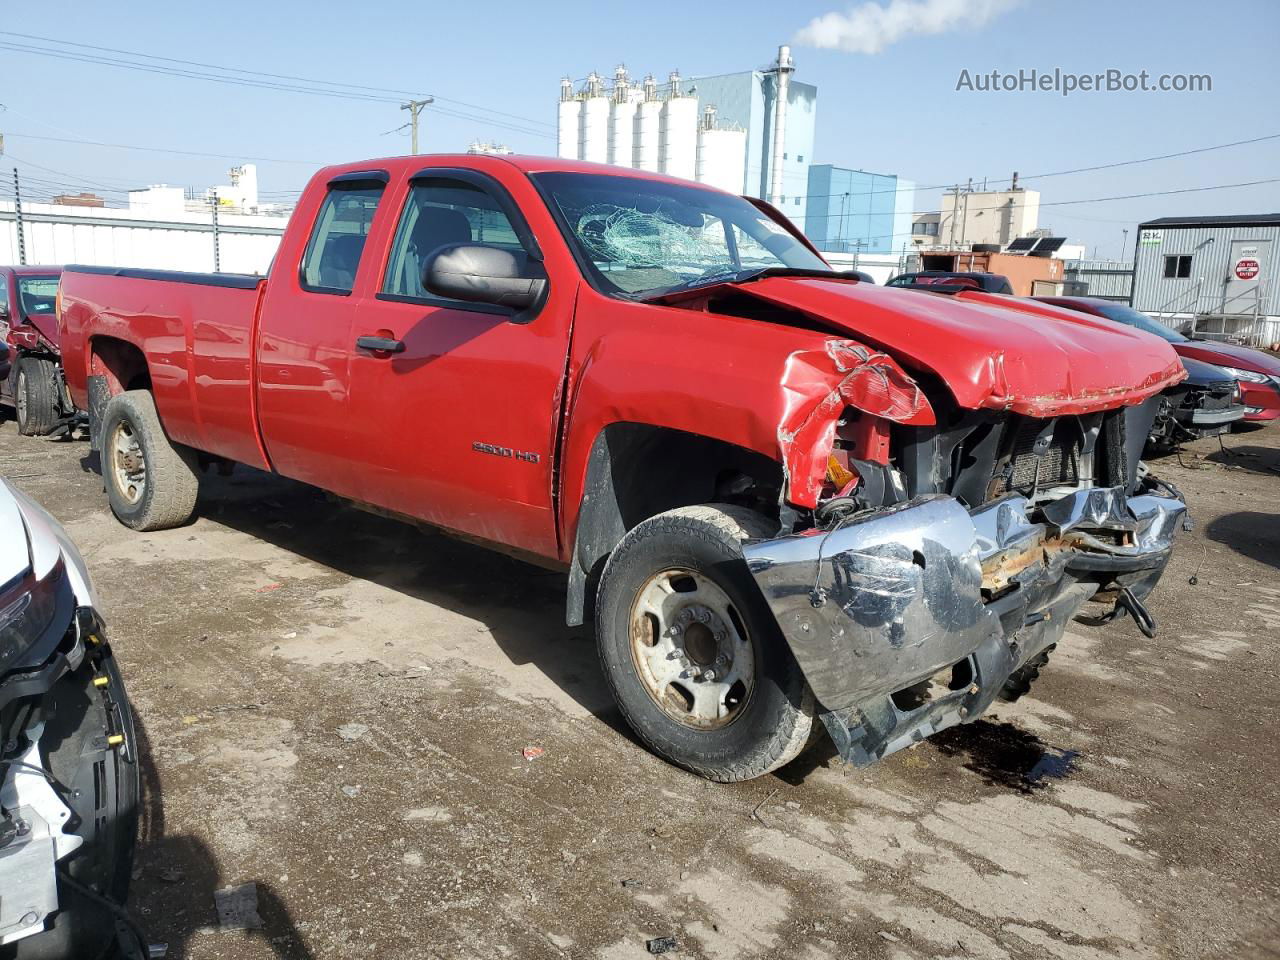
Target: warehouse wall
123	238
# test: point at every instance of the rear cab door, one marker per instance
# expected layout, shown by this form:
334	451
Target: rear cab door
305	339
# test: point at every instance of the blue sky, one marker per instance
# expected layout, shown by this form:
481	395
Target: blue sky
896	111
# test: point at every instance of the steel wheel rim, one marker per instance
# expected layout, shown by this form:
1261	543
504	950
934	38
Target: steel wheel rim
691	649
128	465
20	397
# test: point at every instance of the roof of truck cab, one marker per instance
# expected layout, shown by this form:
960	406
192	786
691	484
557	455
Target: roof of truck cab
33	271
526	163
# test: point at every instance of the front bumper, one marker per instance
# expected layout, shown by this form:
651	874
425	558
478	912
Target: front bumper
926	589
1261	400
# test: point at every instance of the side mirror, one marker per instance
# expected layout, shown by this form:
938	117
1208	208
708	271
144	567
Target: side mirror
483	274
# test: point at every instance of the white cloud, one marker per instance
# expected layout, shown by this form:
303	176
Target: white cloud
871	27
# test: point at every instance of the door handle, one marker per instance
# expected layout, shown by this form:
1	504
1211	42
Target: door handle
380	344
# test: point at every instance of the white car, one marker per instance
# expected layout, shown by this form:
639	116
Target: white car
69	778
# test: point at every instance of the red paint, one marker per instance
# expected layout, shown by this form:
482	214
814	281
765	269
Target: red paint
818	385
484	427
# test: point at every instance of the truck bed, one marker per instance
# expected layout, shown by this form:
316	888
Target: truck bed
196	329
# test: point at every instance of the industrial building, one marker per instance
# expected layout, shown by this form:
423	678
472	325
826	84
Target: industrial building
970	216
750	132
853	211
1211	276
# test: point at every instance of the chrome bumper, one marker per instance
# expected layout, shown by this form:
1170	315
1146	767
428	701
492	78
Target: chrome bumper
885	601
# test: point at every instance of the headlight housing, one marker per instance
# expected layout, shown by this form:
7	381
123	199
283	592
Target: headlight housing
26	615
1252	376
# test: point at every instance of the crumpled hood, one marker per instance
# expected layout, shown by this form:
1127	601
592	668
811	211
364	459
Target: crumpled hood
992	352
47	326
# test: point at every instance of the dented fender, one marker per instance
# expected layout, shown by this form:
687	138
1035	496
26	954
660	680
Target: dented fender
817	386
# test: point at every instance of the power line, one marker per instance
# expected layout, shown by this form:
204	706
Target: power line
352	93
1043	176
184	153
278	76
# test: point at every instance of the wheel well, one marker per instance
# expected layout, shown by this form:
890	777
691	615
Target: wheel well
122	363
636	471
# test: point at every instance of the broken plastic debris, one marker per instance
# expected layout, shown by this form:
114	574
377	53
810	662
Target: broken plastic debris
351	790
238	907
532	753
352	731
662	945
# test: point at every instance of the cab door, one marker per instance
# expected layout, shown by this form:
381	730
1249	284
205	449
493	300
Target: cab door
458	402
305	340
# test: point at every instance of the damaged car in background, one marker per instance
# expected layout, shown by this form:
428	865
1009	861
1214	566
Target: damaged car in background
69	778
781	495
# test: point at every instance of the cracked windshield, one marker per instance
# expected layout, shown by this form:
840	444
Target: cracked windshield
643	238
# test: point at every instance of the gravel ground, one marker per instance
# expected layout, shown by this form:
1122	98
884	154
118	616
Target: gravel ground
335	707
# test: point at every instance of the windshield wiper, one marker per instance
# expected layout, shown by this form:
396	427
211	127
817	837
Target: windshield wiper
745	276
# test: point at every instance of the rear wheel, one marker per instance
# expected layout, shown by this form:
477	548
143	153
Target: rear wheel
693	655
152	483
35	396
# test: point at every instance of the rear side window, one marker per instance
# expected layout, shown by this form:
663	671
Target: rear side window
337	240
440	212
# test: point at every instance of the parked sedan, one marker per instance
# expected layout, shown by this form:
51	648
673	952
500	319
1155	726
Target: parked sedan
1205	404
1257	371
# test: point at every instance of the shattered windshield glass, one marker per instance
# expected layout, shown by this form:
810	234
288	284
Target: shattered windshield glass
642	238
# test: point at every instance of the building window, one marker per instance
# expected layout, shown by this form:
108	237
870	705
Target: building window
925	229
784	156
797	201
783	200
1177	267
800	158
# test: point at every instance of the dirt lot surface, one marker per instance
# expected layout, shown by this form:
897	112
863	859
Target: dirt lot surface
335	708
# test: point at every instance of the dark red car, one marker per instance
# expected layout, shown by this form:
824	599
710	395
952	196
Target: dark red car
1257	371
32	383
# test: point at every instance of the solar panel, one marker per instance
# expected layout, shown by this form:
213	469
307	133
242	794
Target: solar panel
1021	245
1049	244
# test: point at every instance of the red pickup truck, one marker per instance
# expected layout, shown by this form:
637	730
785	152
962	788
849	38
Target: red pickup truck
782	494
30	379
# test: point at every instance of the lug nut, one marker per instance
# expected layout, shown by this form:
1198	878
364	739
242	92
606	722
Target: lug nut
709	675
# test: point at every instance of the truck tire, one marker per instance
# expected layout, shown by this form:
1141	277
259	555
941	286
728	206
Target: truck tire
691	651
152	483
35	397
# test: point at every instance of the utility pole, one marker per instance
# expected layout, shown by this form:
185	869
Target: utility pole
1124	243
415	107
217	259
17	216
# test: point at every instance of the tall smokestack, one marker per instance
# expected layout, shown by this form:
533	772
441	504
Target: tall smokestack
782	71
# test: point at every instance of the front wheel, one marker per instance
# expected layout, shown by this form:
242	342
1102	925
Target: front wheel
691	651
35	397
152	483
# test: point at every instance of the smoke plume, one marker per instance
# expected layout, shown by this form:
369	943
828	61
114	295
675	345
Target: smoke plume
871	27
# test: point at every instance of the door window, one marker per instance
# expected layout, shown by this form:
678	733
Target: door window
337	241
440	212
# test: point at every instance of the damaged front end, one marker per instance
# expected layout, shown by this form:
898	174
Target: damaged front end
937	575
